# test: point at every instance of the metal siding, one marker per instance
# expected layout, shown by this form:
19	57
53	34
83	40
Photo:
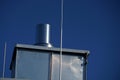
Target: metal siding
33	65
36	63
73	67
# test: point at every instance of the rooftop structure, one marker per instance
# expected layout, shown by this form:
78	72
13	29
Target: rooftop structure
42	61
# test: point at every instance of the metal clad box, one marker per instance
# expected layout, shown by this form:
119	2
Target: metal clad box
42	63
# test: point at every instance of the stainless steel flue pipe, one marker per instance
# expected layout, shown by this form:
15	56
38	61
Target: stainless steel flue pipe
43	35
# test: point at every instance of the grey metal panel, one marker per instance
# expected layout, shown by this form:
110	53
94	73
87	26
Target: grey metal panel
11	79
52	49
33	65
73	67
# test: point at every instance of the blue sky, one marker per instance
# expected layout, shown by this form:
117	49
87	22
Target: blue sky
88	24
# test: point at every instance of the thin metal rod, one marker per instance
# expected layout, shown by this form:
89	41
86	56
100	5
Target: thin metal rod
4	61
61	36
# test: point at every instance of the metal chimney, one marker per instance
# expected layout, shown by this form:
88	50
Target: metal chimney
43	35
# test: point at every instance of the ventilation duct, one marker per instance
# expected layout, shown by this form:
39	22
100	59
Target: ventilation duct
43	35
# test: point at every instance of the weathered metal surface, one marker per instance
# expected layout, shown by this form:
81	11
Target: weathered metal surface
32	65
72	67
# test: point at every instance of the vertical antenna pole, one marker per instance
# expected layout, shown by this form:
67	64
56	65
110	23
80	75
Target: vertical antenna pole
4	61
61	36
